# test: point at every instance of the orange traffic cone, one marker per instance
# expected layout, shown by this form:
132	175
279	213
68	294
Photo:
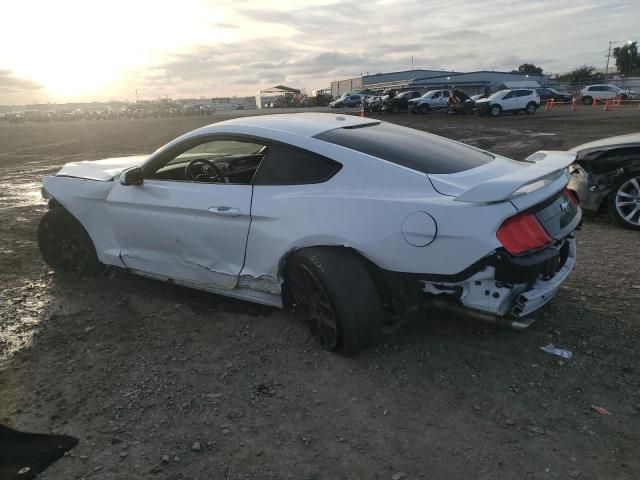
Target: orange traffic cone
362	108
606	106
546	107
595	103
573	105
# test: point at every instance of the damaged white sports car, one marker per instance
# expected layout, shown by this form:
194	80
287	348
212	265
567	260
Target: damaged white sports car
351	221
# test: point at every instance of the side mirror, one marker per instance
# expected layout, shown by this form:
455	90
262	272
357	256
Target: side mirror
131	176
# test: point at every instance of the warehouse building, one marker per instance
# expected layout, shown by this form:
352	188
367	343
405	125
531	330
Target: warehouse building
381	81
483	81
471	83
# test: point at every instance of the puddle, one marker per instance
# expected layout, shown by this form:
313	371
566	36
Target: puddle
23	307
20	195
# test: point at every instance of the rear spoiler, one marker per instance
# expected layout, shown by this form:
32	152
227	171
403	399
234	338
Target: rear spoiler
545	164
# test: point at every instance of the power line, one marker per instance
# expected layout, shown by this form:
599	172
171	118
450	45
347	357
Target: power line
606	70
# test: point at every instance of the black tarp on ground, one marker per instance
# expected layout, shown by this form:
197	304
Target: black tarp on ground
24	455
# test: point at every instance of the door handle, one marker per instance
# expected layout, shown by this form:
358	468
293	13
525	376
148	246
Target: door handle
225	211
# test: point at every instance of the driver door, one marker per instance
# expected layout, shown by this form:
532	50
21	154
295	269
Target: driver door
192	230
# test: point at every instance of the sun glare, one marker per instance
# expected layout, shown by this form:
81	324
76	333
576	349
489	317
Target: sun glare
75	48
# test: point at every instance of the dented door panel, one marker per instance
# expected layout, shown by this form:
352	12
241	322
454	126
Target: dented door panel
182	230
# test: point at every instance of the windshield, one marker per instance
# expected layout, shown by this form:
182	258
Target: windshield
499	94
415	149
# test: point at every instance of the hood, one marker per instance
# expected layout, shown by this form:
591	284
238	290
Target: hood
100	170
483	100
630	140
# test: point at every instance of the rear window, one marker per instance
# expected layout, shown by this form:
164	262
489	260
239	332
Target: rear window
408	147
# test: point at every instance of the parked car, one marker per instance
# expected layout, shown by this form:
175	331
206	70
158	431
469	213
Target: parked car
399	102
479	96
374	104
460	103
604	92
552	94
286	210
432	100
348	100
606	176
514	101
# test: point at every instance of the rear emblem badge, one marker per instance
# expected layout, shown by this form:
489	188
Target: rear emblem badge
564	206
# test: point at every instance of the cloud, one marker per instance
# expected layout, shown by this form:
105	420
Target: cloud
239	48
10	84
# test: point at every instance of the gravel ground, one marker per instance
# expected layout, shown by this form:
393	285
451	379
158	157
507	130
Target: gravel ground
158	381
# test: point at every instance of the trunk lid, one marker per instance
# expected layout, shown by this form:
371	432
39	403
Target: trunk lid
100	170
524	184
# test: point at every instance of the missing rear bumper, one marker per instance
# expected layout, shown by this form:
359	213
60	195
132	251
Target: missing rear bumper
492	297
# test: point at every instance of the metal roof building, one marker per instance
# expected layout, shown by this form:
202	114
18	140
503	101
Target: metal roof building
478	82
471	82
380	81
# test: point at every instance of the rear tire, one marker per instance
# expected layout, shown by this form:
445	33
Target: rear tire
65	245
531	108
624	201
587	100
332	289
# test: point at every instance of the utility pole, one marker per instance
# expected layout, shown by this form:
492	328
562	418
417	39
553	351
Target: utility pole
606	70
412	63
136	95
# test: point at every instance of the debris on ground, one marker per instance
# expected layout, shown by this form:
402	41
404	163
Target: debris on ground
600	410
561	352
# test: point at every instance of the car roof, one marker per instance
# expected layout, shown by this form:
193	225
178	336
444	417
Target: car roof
620	140
307	124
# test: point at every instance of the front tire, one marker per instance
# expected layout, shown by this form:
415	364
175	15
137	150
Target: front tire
624	201
332	289
65	245
496	110
424	109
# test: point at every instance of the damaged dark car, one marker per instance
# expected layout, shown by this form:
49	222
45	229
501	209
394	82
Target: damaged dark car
606	176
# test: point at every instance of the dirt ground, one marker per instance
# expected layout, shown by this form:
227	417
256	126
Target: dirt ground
140	371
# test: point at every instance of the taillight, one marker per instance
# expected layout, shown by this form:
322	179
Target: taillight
522	233
573	196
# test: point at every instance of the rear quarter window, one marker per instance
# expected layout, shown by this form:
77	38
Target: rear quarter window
420	151
291	166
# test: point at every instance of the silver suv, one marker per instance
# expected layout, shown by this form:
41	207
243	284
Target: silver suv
514	101
604	92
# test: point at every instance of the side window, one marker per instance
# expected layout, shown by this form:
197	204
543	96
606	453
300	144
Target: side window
524	93
436	95
445	94
509	95
210	161
289	166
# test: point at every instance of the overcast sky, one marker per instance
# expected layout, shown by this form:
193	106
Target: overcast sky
80	50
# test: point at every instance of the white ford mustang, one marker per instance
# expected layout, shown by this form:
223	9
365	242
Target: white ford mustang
351	221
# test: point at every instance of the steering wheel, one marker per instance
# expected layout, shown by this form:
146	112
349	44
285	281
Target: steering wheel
210	171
